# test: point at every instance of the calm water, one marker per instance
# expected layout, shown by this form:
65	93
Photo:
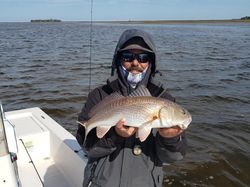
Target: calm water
206	67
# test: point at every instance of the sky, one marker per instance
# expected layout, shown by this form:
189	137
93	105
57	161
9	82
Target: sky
109	10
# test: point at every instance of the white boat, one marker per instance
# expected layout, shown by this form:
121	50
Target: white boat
35	151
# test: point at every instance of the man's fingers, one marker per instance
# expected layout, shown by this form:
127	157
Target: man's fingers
124	130
131	130
123	120
170	132
120	123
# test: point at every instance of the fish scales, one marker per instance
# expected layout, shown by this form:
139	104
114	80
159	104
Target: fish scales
132	108
144	112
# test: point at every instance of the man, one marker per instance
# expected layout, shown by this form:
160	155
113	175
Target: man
119	158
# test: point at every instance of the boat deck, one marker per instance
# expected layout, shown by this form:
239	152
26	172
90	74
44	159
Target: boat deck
48	155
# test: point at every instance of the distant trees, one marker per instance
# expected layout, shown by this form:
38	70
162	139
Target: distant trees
45	20
245	18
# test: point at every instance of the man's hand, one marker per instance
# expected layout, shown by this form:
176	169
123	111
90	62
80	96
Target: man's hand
124	131
170	132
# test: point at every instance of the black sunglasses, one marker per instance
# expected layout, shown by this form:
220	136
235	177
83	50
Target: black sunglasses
141	57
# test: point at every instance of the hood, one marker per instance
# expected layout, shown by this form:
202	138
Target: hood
125	37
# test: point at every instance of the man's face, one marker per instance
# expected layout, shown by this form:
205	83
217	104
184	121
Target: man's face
135	60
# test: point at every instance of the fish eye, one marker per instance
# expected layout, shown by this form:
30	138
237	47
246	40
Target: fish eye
183	112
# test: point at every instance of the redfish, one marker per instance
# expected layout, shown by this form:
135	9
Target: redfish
140	110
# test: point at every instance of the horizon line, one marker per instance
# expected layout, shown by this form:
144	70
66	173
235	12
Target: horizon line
140	21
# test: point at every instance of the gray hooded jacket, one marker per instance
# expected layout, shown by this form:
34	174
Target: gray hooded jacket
112	162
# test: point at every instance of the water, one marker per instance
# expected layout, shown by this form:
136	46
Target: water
205	66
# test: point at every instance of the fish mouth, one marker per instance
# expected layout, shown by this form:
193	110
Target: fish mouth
188	121
185	123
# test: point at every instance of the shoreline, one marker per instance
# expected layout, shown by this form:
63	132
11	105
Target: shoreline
175	21
219	21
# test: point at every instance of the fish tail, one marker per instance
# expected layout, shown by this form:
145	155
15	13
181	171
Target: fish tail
86	131
83	124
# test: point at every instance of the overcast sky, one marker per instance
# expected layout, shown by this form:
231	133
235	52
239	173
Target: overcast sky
79	10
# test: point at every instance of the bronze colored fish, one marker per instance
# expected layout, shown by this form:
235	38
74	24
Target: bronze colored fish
140	110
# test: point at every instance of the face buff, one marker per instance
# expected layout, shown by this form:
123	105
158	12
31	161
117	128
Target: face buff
133	79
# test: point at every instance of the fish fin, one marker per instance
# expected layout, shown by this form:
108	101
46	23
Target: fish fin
83	124
143	133
102	130
140	91
86	130
153	123
113	96
156	123
168	113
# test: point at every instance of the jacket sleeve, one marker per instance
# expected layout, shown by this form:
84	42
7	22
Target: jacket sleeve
170	149
94	146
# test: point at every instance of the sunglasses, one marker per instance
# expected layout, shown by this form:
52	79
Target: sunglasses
141	57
